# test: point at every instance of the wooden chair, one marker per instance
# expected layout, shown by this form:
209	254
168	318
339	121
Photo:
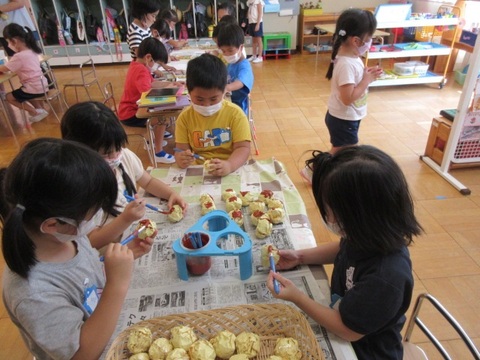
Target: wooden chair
413	352
88	78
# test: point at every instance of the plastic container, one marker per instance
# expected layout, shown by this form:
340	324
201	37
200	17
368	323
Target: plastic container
460	77
420	69
402	68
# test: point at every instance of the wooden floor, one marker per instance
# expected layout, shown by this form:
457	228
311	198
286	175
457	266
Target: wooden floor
289	104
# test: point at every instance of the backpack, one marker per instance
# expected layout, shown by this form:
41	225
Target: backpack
48	28
91	26
122	26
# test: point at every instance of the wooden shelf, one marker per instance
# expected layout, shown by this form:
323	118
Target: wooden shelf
307	23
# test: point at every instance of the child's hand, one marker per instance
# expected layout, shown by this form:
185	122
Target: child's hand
184	158
373	73
288	291
134	210
288	259
118	260
177	199
173	58
169	68
220	167
141	247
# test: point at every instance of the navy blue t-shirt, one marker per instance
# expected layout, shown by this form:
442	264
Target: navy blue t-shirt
375	292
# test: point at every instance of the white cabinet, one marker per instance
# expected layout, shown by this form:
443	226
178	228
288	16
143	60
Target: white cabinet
398	52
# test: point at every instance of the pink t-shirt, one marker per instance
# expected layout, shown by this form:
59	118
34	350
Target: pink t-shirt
26	65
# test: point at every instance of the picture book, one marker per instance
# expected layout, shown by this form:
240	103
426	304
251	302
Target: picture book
149	101
182	101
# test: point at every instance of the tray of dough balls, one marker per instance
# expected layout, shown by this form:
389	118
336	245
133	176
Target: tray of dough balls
259	332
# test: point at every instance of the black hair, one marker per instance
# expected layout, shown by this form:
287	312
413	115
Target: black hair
227	19
155	48
169	15
367	193
230	35
95	125
228	6
206	71
22	33
141	8
49	178
351	22
162	28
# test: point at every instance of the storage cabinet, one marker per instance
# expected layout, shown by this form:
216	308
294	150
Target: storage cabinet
307	35
397	51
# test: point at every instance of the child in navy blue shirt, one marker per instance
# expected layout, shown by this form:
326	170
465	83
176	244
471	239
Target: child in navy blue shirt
230	41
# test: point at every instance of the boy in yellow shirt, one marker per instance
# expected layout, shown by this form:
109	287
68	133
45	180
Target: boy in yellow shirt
211	127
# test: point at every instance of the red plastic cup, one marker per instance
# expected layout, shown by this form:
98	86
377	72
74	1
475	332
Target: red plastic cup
196	265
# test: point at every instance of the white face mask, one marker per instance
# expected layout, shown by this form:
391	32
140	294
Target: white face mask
333	227
83	229
207	110
232	59
364	48
113	163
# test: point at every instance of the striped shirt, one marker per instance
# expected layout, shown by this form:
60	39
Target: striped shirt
135	36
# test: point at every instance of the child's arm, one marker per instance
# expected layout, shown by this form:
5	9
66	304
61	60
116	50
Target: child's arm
260	16
183	158
240	154
99	327
3	69
168	67
349	93
161	190
325	316
177	44
319	255
235	85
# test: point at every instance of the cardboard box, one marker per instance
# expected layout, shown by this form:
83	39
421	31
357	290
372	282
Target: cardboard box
468	37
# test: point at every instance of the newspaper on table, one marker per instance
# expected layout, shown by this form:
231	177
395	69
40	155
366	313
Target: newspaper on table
156	290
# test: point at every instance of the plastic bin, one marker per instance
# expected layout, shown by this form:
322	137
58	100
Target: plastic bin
420	68
460	77
402	68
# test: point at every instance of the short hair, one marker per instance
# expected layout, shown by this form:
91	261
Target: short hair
367	193
155	48
162	27
230	35
169	15
50	178
206	71
228	7
140	8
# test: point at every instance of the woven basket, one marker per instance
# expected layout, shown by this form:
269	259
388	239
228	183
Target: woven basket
269	321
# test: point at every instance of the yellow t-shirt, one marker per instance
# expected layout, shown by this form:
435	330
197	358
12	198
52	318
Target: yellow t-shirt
213	136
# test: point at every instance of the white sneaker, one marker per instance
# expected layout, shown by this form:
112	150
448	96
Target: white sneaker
164	158
41	114
257	60
251	58
307	174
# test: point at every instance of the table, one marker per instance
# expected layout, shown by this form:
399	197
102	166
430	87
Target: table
330	28
156	289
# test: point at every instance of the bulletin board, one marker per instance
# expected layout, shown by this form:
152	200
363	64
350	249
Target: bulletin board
271	6
289	7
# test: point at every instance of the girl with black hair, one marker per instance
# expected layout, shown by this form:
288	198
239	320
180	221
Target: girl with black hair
144	13
95	125
170	16
26	64
54	278
363	197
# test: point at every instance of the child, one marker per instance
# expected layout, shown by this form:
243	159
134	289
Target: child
139	80
26	65
255	28
230	41
170	16
225	8
53	278
161	31
95	125
363	197
212	127
144	13
347	104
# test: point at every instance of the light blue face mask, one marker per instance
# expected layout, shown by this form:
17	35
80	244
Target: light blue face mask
83	229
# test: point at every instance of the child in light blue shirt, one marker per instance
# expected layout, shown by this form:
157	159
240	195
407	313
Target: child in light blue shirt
230	41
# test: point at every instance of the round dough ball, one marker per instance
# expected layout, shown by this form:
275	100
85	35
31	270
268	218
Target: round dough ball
248	343
264	228
159	349
247	197
206	165
205	197
228	193
276	216
265	255
150	229
207	207
139	356
257	215
256	205
139	340
265	195
202	350
233	203
275	204
177	354
182	337
176	214
224	344
287	348
239	357
237	216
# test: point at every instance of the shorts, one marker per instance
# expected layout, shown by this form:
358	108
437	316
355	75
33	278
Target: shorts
21	96
252	32
342	132
134	122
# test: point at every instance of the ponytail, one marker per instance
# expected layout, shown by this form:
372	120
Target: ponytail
336	45
25	34
129	186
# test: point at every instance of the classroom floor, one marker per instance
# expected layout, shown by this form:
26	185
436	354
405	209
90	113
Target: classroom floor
289	103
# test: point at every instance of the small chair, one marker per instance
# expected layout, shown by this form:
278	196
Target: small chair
413	352
253	130
89	78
